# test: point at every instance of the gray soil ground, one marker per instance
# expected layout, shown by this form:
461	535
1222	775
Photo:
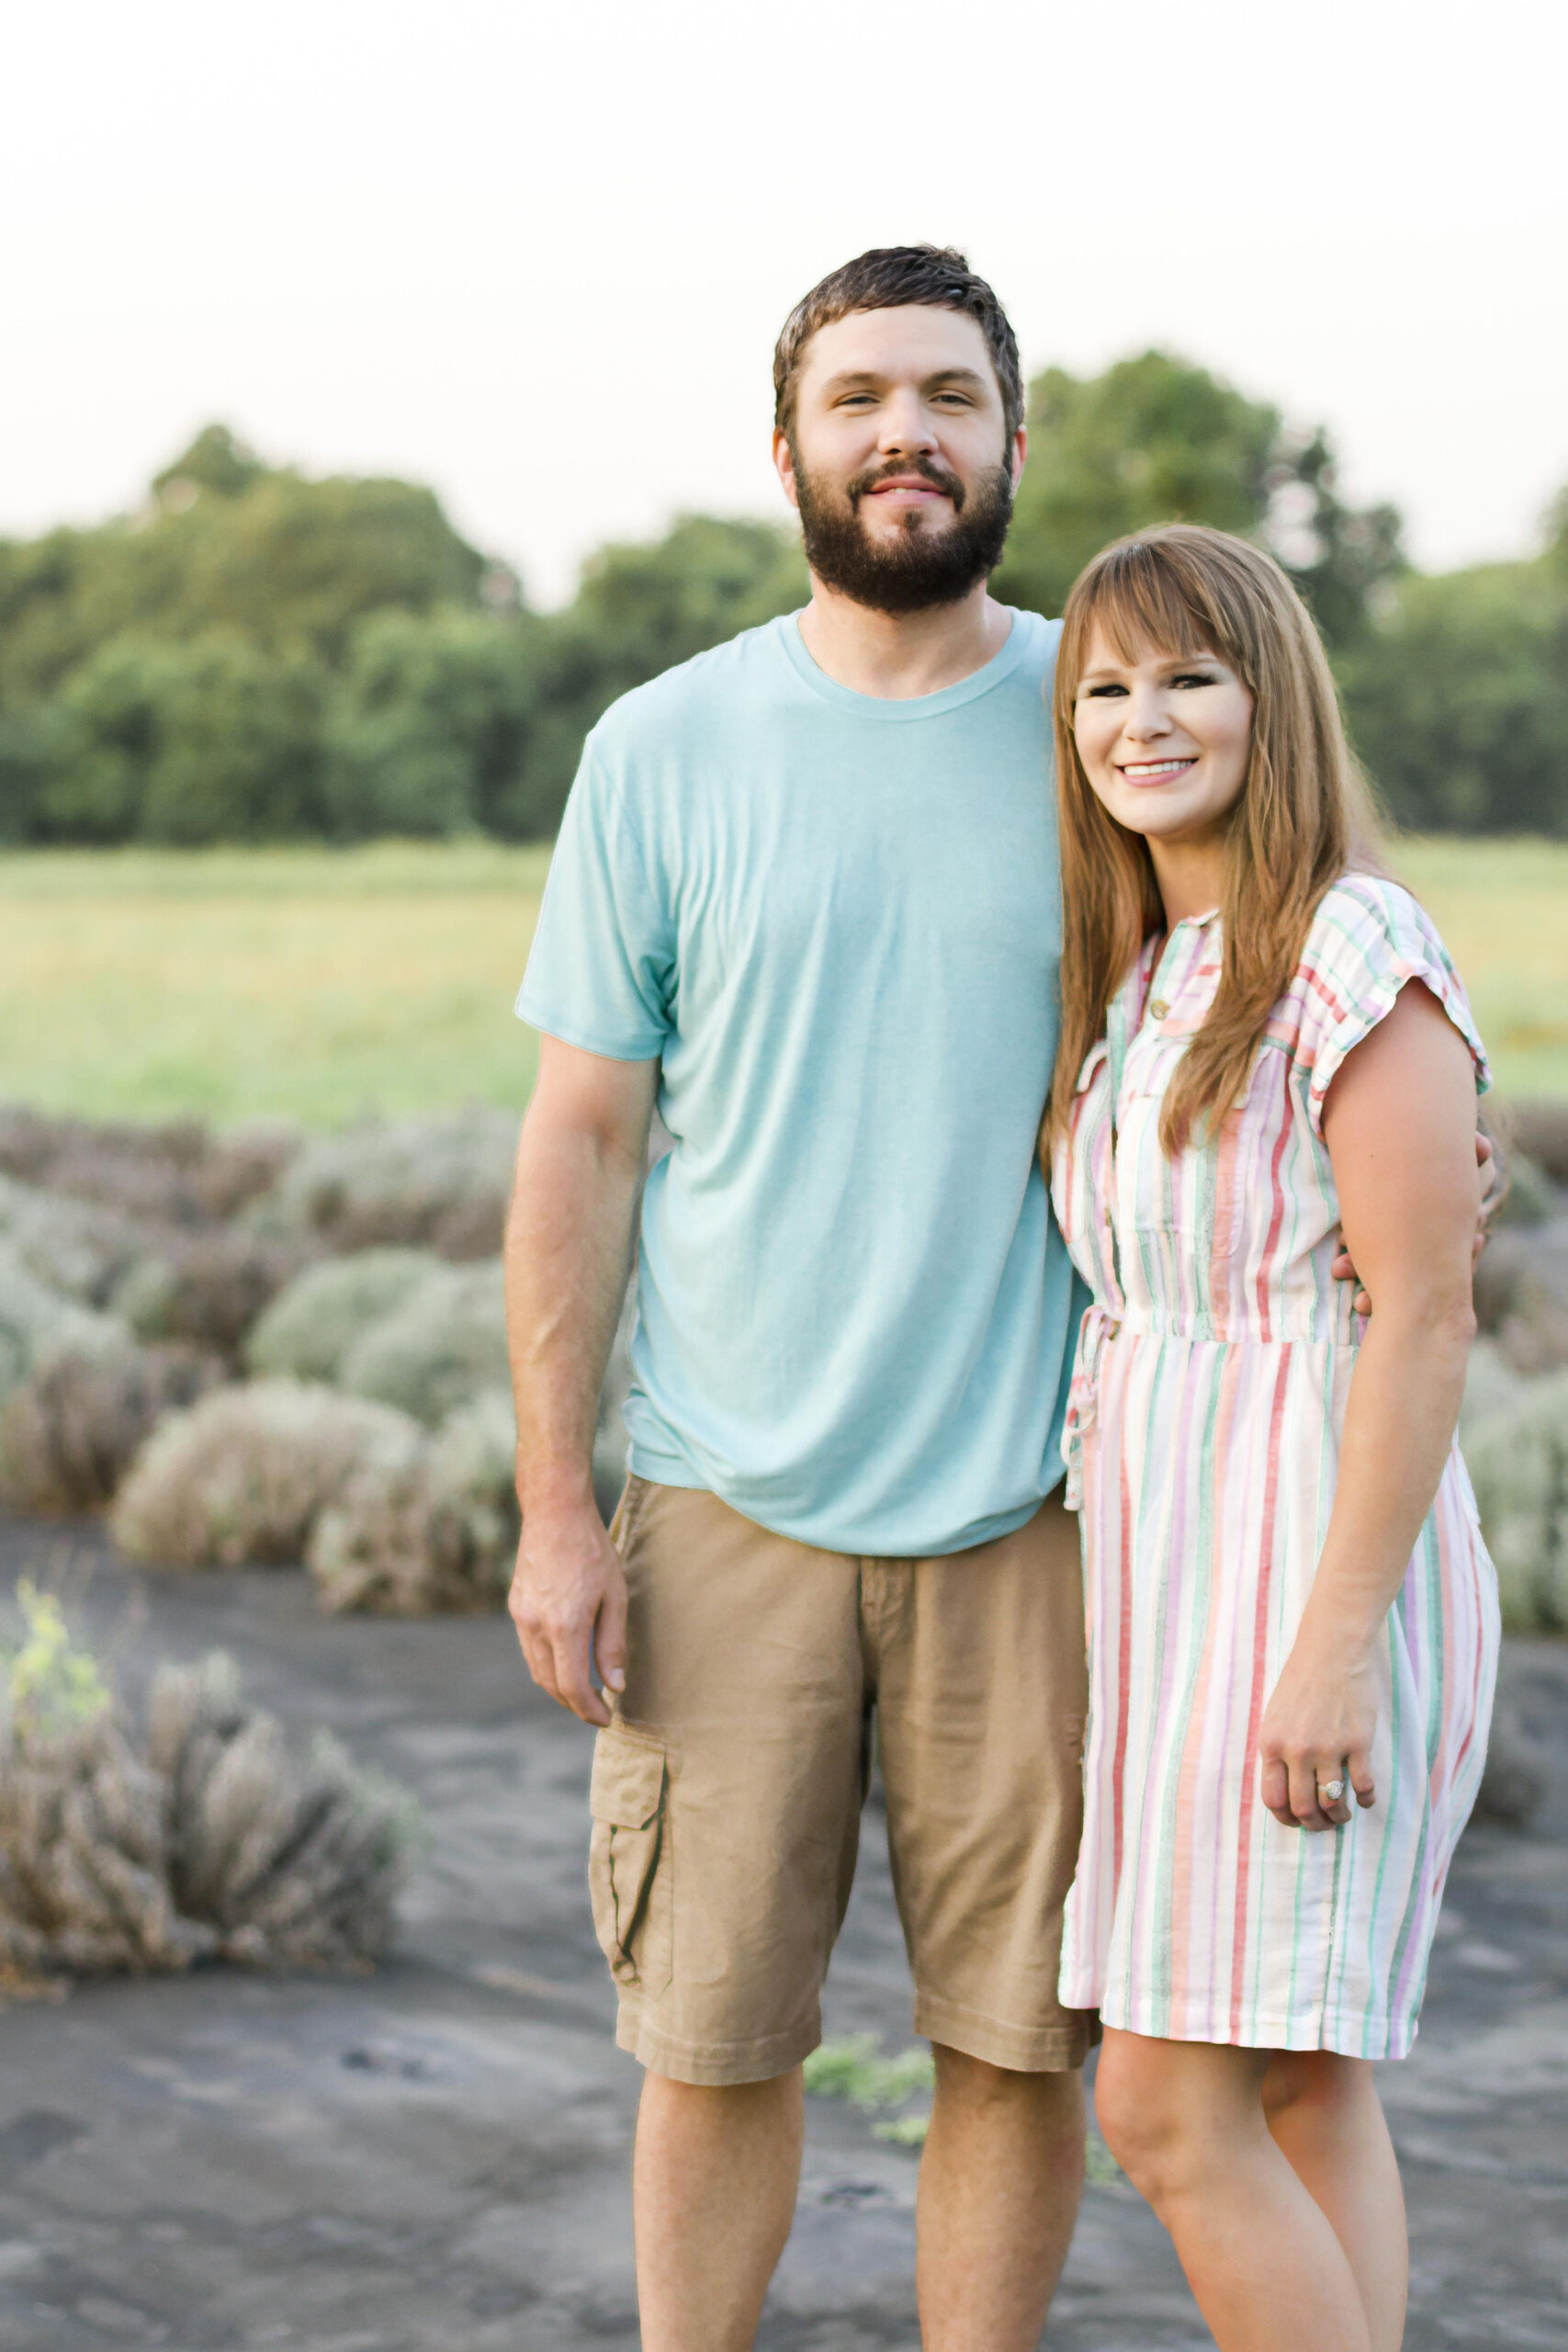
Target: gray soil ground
434	2158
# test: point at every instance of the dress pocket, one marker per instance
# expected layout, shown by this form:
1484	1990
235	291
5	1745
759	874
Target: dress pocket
629	1861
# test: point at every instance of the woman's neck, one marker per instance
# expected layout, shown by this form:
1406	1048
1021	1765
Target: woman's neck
1191	876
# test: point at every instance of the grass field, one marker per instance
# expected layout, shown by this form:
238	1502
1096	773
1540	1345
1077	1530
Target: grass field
307	984
316	984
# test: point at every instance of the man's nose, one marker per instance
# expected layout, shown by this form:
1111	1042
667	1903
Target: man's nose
907	425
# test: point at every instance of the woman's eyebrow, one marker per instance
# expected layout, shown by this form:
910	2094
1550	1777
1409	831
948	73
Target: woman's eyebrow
1166	662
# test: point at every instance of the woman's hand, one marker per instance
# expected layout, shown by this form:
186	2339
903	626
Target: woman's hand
1317	1728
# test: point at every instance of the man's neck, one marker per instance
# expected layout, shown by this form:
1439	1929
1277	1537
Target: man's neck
897	656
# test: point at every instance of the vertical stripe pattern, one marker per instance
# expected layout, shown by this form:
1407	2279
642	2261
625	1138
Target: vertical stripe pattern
1202	1440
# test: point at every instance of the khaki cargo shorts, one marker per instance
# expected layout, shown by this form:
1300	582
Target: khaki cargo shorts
726	1792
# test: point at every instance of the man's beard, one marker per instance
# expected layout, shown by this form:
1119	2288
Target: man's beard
917	568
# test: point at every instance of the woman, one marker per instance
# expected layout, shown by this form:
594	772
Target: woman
1293	1619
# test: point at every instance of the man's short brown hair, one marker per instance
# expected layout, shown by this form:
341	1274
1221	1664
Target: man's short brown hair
886	278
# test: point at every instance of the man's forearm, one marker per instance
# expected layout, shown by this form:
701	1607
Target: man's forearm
568	1247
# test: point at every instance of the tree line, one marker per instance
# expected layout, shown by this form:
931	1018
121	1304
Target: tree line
258	655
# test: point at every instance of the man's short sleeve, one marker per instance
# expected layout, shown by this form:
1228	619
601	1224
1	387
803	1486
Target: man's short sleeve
601	969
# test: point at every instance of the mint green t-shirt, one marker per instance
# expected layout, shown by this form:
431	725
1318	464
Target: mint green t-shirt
836	922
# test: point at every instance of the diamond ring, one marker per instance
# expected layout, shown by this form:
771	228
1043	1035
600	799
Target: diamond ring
1332	1789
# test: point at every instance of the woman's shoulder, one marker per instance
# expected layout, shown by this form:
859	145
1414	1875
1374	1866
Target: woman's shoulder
1368	937
1361	911
1366	930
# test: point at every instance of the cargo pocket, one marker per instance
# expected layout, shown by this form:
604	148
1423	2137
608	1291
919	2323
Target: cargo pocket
629	1860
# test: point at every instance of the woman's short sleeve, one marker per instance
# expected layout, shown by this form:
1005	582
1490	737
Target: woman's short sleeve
1368	939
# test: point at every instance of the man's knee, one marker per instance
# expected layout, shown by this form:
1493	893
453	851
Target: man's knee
974	2084
669	2093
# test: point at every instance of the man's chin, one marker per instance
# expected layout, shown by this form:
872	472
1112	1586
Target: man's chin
906	575
899	599
912	560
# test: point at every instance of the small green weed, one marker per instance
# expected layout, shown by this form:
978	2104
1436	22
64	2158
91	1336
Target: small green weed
852	2067
46	1681
904	2130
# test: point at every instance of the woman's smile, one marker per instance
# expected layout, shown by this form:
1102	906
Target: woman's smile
1155	771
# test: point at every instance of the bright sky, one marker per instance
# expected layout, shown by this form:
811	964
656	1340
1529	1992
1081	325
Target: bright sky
537	255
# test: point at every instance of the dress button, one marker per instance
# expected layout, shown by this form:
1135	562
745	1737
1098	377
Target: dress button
1157	1008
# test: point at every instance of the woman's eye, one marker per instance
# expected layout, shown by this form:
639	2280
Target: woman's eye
1098	694
1195	678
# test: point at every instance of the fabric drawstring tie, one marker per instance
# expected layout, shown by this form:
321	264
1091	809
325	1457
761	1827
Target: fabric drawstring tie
1083	1396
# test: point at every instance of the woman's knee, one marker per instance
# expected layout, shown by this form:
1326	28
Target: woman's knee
1307	2085
1171	2113
1139	2115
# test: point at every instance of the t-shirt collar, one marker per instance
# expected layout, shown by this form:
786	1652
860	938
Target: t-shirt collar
884	711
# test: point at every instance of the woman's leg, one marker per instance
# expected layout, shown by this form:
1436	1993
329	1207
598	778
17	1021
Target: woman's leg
1185	2121
1325	2116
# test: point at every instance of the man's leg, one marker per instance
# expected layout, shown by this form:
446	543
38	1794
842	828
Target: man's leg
725	1797
713	2196
999	2194
982	1690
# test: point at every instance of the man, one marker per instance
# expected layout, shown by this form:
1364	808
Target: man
806	897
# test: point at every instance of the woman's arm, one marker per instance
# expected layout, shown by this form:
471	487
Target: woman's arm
1399	1123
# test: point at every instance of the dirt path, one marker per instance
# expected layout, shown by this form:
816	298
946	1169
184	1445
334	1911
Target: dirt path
434	2158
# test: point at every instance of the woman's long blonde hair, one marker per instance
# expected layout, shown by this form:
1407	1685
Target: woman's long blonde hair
1303	819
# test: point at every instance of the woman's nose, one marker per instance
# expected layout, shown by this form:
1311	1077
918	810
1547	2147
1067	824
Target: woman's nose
1146	719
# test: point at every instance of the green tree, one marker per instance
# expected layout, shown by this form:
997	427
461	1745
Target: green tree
1155	439
429	725
216	463
1342	559
650	607
230	544
34	741
210	739
1458	700
1151	440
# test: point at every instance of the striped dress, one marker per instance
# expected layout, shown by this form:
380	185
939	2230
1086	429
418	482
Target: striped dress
1202	1443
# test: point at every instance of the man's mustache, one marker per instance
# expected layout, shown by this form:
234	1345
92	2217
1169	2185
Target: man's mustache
938	476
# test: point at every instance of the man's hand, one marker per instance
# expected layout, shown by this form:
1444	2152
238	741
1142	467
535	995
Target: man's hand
569	1604
568	1247
1493	1184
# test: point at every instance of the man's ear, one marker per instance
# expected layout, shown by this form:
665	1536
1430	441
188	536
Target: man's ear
1020	452
784	464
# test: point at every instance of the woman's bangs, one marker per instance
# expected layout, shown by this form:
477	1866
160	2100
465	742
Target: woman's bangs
1136	599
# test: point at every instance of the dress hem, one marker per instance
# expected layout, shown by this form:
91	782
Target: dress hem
1344	2035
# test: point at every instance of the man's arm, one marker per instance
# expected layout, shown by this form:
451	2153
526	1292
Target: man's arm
1492	1179
568	1249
